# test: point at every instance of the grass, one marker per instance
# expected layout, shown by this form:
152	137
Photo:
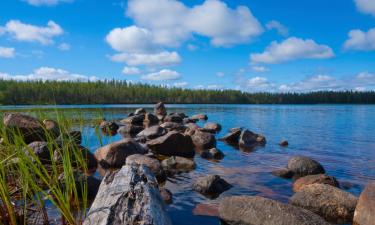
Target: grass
28	184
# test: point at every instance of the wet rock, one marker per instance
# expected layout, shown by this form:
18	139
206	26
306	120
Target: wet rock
249	139
166	195
160	110
177	164
27	127
114	155
303	166
108	127
173	118
129	130
189	120
169	126
152	132
172	144
284	143
212	153
213	127
200	116
135	120
151	163
211	185
254	210
331	203
283	172
203	140
150	119
41	149
314	179
52	127
364	212
192	126
232	137
139	111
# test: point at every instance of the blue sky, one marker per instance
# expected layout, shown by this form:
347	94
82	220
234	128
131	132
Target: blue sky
258	45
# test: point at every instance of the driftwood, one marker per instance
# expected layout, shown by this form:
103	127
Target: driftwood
129	196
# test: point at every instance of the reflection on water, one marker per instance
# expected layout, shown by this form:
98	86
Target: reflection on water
340	137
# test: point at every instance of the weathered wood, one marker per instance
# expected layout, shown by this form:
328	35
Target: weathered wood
129	196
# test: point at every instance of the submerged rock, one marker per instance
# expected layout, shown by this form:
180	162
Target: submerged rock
211	185
232	137
303	166
172	144
284	143
283	172
365	211
249	139
255	210
314	179
200	116
177	164
212	153
331	203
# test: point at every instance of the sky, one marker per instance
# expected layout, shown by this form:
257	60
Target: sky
252	46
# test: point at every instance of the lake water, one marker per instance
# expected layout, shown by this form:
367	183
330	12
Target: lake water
340	137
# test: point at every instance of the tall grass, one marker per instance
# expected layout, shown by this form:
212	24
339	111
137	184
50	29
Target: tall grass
28	184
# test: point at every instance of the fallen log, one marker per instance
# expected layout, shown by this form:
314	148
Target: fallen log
129	196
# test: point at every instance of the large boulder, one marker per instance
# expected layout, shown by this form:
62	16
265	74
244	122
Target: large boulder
135	120
365	211
151	163
114	155
212	127
232	137
303	166
28	128
331	203
203	140
152	132
200	116
169	126
172	144
250	140
314	179
108	127
255	210
177	164
212	153
129	130
160	110
211	185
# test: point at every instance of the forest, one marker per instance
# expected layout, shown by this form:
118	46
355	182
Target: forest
121	92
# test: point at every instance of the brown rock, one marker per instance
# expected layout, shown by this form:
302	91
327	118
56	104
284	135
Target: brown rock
213	127
249	139
177	164
212	153
283	172
200	116
232	137
135	120
160	109
303	166
52	127
211	185
172	144
314	179
203	140
108	127
365	211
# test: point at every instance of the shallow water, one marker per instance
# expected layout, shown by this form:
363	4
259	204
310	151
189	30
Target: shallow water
340	137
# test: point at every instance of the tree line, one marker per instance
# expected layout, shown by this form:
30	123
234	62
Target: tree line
122	92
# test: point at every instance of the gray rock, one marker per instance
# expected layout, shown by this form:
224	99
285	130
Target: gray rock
129	130
203	140
151	163
169	126
160	109
177	164
232	137
173	118
211	185
303	166
152	132
250	140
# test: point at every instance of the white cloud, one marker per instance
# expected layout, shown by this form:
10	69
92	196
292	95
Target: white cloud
162	75
280	28
158	59
64	47
259	84
180	84
49	73
131	70
292	49
366	6
46	2
7	52
220	74
259	69
360	40
31	33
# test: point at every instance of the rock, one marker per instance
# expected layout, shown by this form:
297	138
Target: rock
192	126
177	164
214	127
92	184
150	119
27	127
152	132
284	143
173	118
189	120
314	179
135	120
364	212
151	163
203	209
232	137
114	155
212	153
200	116
303	166
255	210
86	155
129	130
41	150
160	110
284	173
211	185
108	127
139	111
169	126
331	203
71	137
203	140
52	127
250	140
166	195
172	144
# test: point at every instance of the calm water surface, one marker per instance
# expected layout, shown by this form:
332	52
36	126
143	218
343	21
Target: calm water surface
340	137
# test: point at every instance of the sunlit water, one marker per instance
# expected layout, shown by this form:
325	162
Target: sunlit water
340	137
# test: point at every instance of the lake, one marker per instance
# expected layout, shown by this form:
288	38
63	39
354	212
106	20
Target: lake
340	137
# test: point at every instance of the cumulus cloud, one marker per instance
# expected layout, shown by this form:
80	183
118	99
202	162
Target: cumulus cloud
361	40
64	47
158	59
162	75
220	74
292	49
180	84
366	6
259	69
31	33
280	28
131	70
46	2
49	73
259	84
7	52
